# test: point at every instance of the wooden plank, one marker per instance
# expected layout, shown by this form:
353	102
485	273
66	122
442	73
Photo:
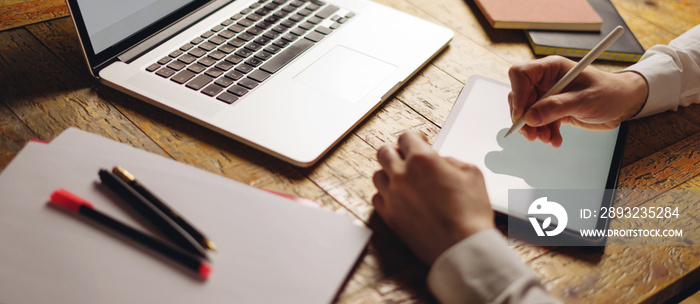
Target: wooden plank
17	13
634	151
48	98
676	16
691	113
14	134
465	18
661	130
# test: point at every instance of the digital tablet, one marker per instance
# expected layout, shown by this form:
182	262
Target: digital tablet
581	174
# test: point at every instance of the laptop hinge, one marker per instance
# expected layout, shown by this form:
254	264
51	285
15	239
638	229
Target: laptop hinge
156	39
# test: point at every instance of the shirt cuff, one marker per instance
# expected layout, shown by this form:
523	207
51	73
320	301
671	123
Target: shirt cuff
477	269
664	79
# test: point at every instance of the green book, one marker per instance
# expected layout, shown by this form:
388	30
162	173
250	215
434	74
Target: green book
578	44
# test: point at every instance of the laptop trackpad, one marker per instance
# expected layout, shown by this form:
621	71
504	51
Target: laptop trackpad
345	73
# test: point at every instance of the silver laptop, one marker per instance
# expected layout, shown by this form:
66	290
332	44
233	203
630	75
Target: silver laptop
288	77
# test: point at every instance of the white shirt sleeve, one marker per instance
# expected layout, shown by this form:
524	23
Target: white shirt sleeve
672	72
483	269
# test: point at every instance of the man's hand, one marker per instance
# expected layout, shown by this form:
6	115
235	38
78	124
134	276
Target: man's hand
594	100
431	202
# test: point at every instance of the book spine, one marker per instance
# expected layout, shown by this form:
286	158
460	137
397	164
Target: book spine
579	53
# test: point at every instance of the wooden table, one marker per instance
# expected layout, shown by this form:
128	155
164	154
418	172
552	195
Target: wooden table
45	88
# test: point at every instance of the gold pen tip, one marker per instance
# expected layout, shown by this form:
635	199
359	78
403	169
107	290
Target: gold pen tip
123	174
211	245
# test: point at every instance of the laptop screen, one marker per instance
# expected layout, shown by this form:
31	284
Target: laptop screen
107	28
108	22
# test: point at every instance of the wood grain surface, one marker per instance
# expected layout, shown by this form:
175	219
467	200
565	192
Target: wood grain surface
46	88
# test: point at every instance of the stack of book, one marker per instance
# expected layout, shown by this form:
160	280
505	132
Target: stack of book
569	28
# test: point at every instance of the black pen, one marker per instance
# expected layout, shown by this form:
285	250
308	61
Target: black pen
156	217
78	205
167	210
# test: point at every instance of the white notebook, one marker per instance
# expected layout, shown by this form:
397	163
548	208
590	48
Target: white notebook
271	250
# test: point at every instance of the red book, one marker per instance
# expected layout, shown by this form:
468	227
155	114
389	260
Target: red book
571	15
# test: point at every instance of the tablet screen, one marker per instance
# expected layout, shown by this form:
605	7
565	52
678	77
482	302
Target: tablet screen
474	133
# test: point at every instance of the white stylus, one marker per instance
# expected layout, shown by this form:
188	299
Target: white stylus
571	74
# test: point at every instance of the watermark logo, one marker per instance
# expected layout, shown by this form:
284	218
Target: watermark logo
543	207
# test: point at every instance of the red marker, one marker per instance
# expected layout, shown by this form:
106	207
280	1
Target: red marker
78	205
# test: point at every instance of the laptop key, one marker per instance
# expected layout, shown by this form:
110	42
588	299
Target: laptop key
324	30
183	76
253	46
297	17
224	82
227	97
289	37
306	25
187	58
243	53
199	82
245	23
254	17
281	43
165	72
234	75
276	63
214	72
262	40
235	59
263	25
259	75
207	34
224	65
271	35
315	20
227	34
263	55
236	28
206	61
176	65
197	40
212	89
226	48
298	31
244	68
197	52
313	7
248	83
245	36
237	90
164	60
327	11
176	53
236	42
197	68
217	55
186	47
152	67
272	49
207	46
254	61
314	36
216	40
217	28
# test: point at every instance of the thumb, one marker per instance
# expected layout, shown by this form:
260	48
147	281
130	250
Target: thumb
553	108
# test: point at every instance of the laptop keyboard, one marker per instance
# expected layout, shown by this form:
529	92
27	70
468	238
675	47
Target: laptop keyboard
243	51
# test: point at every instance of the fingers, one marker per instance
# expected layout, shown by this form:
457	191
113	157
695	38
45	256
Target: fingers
554	108
532	79
389	158
413	142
